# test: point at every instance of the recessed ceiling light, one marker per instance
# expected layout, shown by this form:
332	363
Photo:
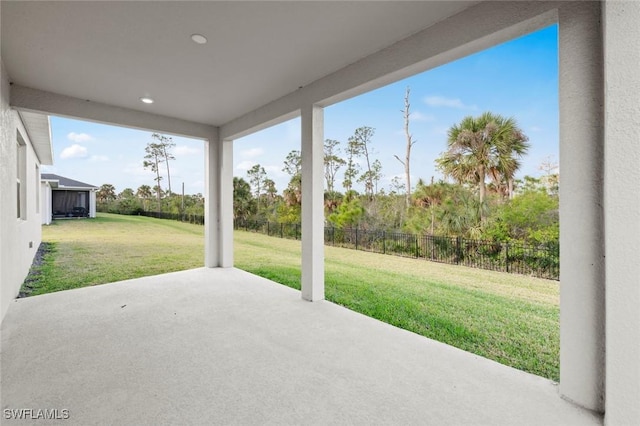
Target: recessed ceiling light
146	100
199	38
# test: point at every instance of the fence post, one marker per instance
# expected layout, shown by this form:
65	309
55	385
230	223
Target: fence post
333	235
296	236
384	243
281	233
506	259
356	238
457	250
416	235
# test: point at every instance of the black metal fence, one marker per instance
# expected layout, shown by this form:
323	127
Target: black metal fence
189	218
542	260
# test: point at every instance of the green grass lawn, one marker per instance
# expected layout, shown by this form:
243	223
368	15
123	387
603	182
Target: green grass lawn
508	318
114	248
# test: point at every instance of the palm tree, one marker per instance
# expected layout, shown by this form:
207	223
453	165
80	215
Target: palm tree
514	146
107	192
462	215
144	192
481	147
243	202
430	196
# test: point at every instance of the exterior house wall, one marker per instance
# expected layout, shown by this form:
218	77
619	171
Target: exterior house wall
19	237
622	210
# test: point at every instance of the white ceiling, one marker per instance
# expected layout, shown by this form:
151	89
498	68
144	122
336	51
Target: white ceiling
116	52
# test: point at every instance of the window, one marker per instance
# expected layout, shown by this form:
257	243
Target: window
21	178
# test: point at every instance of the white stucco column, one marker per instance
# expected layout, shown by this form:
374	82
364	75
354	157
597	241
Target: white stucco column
622	210
212	176
92	203
218	203
226	203
582	268
45	203
312	203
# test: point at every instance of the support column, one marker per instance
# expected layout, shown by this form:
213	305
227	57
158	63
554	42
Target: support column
211	202
226	203
622	210
92	205
312	203
582	272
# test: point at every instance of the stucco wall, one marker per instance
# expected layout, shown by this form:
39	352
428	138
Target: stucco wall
19	239
622	210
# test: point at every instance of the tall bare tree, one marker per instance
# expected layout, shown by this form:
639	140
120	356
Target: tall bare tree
551	178
360	145
293	167
165	143
154	156
257	176
293	163
407	156
351	173
332	162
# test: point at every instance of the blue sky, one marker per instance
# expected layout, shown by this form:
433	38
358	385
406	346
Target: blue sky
517	79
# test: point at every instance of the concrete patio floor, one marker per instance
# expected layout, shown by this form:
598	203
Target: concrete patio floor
222	346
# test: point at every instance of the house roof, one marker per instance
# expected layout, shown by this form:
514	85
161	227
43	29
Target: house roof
66	183
39	131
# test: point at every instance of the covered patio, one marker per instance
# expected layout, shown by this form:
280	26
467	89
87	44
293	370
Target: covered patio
222	346
217	343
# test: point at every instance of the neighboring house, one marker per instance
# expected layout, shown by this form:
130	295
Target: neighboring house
64	197
25	145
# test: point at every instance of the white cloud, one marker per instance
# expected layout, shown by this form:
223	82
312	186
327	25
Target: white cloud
74	151
98	158
184	150
137	169
80	137
441	101
276	170
251	153
245	165
536	129
418	116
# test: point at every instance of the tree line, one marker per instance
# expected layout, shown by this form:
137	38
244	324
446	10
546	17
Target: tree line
151	198
479	196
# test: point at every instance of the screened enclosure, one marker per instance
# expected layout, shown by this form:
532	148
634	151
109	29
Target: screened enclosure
70	203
